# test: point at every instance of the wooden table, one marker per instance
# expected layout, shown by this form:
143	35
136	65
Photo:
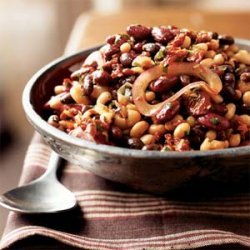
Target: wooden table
92	28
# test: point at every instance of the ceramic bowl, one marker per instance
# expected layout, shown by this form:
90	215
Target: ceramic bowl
149	171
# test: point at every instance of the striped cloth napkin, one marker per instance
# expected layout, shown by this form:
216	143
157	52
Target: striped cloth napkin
111	216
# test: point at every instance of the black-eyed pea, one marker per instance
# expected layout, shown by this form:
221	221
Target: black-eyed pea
231	109
201	46
242	56
170	125
104	97
139	129
219	59
144	62
213	44
120	121
234	48
211	135
54	120
101	108
89	113
244	86
245	119
186	43
133	117
210	54
182	130
148	139
150	96
55	102
230	53
157	129
207	62
124	100
234	140
208	144
123	122
125	47
77	94
191	120
59	89
97	90
246	98
107	117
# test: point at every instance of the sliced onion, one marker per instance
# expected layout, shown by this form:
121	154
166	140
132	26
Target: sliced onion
213	85
95	56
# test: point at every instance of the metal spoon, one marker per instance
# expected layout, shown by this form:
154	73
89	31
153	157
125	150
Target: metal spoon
44	195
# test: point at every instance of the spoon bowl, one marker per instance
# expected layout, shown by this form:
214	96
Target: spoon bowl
44	195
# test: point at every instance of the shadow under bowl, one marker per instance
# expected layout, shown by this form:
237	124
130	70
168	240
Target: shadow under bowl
150	171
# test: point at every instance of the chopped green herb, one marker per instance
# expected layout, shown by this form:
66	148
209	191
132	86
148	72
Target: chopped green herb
166	148
160	54
125	36
215	120
136	64
99	127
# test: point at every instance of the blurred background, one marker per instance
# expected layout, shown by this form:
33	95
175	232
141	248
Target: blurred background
34	32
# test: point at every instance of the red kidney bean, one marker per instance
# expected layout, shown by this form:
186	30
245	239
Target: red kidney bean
245	77
128	72
135	143
214	35
229	92
197	103
225	40
163	84
116	132
110	39
243	109
214	121
111	50
126	59
220	109
228	68
162	34
88	85
221	135
168	111
101	77
138	47
152	48
229	78
138	31
245	143
196	136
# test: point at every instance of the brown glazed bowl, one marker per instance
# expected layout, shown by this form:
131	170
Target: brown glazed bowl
150	171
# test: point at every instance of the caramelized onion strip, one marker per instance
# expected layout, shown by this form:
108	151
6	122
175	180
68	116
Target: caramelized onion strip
211	83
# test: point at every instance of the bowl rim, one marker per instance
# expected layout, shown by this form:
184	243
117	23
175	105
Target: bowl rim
36	120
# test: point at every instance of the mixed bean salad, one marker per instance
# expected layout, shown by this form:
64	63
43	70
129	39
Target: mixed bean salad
158	88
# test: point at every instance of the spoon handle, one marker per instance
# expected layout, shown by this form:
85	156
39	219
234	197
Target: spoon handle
54	162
